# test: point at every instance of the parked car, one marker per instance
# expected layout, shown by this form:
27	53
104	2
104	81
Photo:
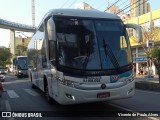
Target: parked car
2	78
3	70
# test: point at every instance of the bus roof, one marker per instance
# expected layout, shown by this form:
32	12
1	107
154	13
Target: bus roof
80	13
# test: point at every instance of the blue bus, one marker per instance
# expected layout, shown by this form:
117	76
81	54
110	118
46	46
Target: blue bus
21	66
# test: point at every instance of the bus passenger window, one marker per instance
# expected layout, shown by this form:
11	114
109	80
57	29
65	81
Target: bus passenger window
52	51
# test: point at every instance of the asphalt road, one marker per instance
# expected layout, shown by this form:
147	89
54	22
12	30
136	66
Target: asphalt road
21	98
142	101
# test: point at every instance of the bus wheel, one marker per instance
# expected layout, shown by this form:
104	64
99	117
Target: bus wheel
49	99
18	76
33	86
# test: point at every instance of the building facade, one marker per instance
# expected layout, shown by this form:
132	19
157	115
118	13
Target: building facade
20	40
115	10
38	44
139	7
84	6
148	21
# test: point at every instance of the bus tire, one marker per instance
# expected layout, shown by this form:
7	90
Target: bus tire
18	76
33	86
49	99
31	77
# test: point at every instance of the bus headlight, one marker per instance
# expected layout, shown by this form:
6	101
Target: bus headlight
68	83
19	71
128	80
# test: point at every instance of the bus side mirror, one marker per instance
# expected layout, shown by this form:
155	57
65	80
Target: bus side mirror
138	30
51	29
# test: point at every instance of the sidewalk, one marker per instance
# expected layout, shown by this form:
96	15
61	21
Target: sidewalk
142	76
155	78
149	84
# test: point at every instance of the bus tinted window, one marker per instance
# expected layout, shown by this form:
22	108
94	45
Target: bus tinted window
22	63
113	43
76	44
96	44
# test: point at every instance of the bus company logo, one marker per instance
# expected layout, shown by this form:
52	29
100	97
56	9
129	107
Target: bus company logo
17	114
115	78
6	114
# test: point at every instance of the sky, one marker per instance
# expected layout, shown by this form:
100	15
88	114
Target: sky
20	11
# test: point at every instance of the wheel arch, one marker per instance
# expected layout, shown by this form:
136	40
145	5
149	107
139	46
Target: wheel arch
45	82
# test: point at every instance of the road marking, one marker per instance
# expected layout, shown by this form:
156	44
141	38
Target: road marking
126	109
8	107
16	81
117	106
12	94
31	92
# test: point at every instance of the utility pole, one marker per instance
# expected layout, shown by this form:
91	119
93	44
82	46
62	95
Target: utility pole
33	13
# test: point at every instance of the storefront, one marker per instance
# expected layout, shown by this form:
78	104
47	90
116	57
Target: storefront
140	66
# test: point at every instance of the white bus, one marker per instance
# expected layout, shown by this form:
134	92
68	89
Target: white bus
80	56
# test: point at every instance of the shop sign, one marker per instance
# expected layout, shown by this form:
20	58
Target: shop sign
140	59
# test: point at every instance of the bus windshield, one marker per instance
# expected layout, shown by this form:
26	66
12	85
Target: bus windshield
22	63
92	44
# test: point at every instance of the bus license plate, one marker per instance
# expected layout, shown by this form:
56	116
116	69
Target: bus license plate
103	95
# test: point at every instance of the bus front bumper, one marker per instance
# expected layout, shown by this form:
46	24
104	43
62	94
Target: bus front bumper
69	95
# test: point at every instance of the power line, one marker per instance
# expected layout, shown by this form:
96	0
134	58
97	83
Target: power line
127	7
64	3
101	5
72	3
112	5
136	6
123	4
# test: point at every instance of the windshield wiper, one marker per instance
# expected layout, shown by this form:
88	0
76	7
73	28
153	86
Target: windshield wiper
110	54
25	64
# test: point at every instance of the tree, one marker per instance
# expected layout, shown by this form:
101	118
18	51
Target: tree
155	53
148	34
152	53
5	56
21	50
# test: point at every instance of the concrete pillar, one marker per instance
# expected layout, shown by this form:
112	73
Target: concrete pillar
12	42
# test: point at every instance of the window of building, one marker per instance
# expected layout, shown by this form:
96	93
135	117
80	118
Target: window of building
141	52
156	23
145	26
134	52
